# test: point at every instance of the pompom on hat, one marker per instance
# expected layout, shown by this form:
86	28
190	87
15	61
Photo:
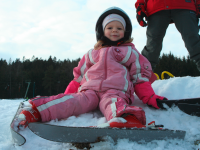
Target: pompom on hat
113	17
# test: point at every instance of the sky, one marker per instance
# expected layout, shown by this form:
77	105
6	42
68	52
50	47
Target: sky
172	118
65	29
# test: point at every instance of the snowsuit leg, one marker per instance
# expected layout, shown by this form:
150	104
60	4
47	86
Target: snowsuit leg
187	24
156	29
65	105
114	103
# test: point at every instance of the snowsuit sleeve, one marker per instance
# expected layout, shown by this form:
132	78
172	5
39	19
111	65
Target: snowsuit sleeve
84	64
80	70
140	73
139	67
78	73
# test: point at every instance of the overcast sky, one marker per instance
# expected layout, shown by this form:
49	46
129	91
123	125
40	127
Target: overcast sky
65	29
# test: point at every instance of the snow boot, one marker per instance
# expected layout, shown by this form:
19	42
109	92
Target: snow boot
132	122
28	115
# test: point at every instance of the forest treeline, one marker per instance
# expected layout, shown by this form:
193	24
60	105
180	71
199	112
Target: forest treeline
179	67
29	78
44	77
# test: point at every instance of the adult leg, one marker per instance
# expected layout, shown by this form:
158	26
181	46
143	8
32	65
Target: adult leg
156	29
114	103
187	24
66	105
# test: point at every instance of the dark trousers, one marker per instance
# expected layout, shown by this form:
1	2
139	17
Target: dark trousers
186	23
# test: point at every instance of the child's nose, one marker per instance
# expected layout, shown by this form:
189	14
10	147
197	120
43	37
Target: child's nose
114	30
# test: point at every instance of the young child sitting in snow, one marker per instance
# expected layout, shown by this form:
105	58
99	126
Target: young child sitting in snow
105	78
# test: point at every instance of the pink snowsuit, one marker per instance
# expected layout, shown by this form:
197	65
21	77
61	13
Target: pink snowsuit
107	79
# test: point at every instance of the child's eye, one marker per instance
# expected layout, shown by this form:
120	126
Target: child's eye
119	28
109	28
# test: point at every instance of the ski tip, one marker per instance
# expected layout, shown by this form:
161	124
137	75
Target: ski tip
17	138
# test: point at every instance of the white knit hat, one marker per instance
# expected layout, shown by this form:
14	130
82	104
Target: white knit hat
113	17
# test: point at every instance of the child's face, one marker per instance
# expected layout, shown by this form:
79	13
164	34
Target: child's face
114	30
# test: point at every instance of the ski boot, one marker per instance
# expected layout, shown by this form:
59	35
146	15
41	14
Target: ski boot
131	122
28	114
128	121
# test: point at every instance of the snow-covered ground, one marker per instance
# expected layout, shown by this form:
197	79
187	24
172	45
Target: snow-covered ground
174	88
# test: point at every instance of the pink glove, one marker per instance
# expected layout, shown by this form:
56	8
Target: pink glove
153	101
72	87
145	93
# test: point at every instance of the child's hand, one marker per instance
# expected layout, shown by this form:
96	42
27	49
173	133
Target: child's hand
153	101
145	92
72	87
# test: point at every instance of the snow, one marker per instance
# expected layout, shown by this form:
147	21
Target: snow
173	118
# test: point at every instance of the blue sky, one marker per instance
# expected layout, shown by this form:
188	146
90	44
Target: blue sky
65	28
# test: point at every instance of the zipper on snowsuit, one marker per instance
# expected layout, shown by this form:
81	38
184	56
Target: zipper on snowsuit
105	69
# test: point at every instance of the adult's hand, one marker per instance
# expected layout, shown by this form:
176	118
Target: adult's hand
141	14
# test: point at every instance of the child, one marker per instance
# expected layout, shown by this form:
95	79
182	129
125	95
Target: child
105	78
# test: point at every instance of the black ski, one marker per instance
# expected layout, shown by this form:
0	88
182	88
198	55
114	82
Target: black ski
170	103
190	109
68	134
190	106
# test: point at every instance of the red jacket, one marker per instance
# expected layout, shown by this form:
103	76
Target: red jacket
153	6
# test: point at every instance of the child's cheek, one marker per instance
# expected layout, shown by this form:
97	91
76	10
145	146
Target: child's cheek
122	34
